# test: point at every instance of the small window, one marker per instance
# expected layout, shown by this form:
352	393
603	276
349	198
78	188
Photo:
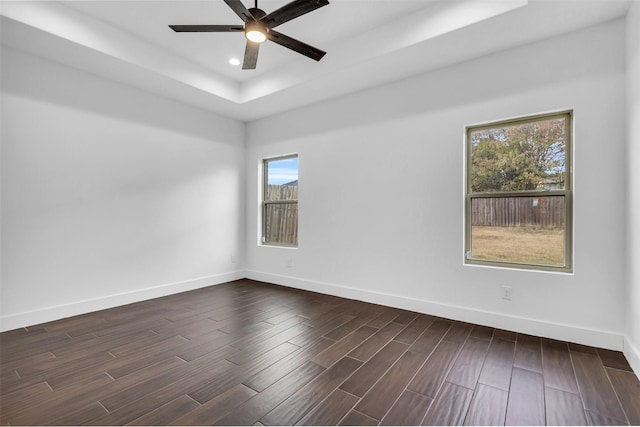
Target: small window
280	201
518	201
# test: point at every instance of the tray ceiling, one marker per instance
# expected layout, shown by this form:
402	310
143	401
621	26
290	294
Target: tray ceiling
369	42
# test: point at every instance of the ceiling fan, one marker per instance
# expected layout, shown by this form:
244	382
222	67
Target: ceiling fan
259	27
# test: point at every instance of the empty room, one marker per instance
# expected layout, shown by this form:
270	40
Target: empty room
320	212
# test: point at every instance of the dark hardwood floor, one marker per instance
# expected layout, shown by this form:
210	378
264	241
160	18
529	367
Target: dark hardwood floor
246	353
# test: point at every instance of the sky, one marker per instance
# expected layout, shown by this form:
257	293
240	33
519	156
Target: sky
283	171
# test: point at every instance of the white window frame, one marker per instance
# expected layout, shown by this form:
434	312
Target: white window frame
265	203
567	193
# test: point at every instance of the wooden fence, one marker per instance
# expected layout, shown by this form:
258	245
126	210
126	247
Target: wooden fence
282	218
546	212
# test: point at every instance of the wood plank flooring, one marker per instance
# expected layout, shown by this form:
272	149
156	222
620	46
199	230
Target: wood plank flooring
250	353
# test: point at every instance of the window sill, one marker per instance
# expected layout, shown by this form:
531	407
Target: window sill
519	267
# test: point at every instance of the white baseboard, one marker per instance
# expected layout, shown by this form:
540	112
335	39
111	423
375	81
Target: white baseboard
569	333
48	314
632	353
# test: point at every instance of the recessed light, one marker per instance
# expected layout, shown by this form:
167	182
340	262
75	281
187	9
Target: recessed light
234	61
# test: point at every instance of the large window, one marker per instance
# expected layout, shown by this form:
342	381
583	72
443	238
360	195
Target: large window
518	202
280	201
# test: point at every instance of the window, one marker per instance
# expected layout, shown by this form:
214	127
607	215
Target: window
518	193
280	201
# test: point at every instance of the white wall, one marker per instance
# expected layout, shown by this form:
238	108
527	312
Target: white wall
381	190
632	345
110	194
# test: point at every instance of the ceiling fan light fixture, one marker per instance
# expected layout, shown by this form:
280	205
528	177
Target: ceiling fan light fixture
255	32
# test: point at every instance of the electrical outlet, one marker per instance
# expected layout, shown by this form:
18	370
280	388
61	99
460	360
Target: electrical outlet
234	259
506	292
289	263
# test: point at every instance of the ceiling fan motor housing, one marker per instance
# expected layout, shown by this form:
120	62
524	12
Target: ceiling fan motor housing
256	25
257	14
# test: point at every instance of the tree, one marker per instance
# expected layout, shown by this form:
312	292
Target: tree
518	157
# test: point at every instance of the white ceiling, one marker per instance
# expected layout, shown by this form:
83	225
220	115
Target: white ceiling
369	42
323	27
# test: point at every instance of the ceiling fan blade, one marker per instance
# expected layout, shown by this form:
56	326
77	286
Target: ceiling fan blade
239	9
250	56
292	10
206	28
296	45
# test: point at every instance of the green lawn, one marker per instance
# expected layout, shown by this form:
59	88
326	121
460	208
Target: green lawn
519	244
